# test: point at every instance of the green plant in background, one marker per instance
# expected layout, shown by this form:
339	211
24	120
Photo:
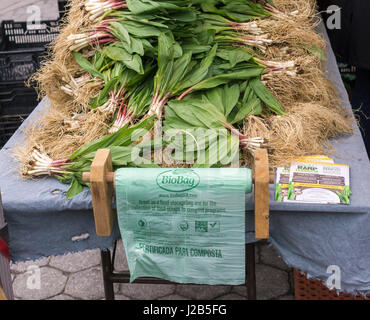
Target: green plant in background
345	194
291	194
278	195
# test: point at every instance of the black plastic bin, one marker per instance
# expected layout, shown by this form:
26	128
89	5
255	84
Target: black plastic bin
16	66
17	99
22	50
63	8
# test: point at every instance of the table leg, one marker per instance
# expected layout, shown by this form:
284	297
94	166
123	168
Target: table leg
107	268
5	276
250	269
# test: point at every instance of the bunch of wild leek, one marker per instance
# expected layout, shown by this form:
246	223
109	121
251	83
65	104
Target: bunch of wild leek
191	64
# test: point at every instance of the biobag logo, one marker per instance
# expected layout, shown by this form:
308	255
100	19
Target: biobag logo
178	180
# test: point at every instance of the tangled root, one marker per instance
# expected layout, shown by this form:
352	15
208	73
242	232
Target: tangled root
61	133
304	130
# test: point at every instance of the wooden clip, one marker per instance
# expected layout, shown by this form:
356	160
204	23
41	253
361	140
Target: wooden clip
261	194
102	192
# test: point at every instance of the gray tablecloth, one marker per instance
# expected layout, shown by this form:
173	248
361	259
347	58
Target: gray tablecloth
308	237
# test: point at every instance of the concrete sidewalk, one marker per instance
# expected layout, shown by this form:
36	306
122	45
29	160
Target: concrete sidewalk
78	277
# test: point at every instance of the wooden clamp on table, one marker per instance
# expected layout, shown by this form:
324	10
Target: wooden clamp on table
102	179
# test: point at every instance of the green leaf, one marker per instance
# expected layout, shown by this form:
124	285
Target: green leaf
207	114
124	137
74	189
103	95
317	51
291	195
194	113
182	111
230	98
234	55
266	96
165	49
343	198
136	79
133	62
195	49
137	46
144	19
252	107
95	145
86	65
215	96
225	78
121	156
177	49
224	98
117	70
229	149
215	19
206	36
141	98
120	32
238	11
179	11
184	16
140	30
121	138
277	191
165	63
220	152
249	105
347	191
198	74
179	69
99	59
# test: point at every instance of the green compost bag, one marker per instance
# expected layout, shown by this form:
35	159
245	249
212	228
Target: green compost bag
184	225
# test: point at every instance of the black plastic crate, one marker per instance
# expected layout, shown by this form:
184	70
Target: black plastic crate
18	65
63	8
9	125
17	99
20	35
23	48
